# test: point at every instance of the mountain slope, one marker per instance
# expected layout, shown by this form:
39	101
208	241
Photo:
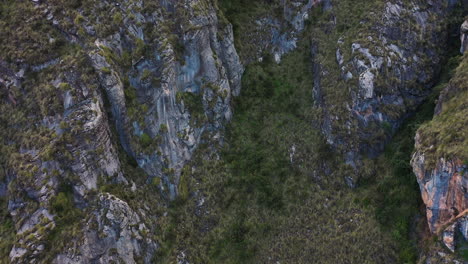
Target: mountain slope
157	132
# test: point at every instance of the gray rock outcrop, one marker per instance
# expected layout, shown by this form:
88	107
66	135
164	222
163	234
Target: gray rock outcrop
389	71
168	85
464	37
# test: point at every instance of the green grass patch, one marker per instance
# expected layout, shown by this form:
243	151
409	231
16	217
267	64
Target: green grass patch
447	131
7	232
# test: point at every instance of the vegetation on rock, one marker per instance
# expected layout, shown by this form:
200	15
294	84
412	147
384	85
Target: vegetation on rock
267	187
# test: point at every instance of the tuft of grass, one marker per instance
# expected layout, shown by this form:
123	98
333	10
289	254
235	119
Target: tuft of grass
145	140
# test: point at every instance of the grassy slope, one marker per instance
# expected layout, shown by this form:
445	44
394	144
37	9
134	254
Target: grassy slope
447	131
21	41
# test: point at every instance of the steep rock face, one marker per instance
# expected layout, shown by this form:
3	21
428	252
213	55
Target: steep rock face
114	234
66	142
167	70
276	29
177	89
387	69
440	160
285	30
464	37
443	188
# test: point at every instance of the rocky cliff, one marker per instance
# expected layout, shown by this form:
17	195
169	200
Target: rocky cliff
105	104
177	86
464	37
167	70
440	160
271	29
386	62
386	70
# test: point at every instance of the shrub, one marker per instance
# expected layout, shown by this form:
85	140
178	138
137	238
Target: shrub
146	75
61	204
117	18
145	140
183	188
64	86
163	128
130	95
63	125
79	19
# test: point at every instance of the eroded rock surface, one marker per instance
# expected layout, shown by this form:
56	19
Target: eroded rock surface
115	233
443	189
184	81
277	31
386	71
440	161
166	70
464	37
